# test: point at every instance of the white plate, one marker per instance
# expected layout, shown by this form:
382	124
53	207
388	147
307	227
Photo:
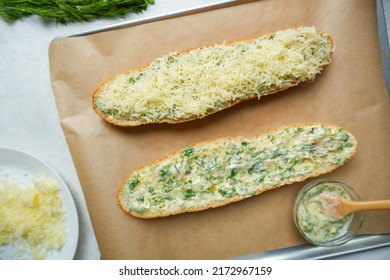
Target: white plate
24	167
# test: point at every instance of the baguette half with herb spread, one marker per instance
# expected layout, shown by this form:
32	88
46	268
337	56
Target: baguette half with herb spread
219	172
192	84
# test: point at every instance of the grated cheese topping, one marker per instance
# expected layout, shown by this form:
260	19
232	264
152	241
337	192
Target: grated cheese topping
33	218
189	85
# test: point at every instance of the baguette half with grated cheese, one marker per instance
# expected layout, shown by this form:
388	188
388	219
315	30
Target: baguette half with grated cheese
192	84
219	172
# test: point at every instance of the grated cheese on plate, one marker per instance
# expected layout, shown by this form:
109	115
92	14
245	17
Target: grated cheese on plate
32	219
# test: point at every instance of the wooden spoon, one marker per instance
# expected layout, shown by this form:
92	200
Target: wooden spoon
337	208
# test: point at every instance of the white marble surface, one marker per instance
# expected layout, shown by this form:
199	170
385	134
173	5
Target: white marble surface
29	119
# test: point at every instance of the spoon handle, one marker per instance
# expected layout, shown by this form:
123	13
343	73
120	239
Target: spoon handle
353	206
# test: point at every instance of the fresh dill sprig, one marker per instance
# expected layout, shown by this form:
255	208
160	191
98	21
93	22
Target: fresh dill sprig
65	11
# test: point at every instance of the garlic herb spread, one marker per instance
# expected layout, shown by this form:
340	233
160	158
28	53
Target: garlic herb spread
231	169
314	220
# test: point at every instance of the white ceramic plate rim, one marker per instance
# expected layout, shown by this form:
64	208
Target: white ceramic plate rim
15	163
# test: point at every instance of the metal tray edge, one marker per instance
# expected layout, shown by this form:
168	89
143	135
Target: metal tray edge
157	17
305	252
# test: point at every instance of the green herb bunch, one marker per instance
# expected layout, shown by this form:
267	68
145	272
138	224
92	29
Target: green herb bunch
65	11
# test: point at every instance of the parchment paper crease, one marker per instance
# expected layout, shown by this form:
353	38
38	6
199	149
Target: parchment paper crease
350	92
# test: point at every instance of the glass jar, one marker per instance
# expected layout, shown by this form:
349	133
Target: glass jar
313	222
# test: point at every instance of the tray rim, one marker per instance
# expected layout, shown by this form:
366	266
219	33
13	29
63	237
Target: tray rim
163	16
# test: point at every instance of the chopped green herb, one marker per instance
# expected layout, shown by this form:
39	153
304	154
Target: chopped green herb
222	192
133	182
278	152
348	145
344	137
233	172
151	191
157	200
188	151
188	194
139	210
256	168
65	11
165	173
261	178
105	111
261	92
227	193
188	183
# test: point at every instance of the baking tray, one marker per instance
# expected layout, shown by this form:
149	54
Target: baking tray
374	246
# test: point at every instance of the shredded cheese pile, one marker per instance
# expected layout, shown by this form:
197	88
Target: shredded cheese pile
33	218
180	86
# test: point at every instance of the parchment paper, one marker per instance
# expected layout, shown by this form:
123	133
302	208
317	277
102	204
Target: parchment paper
350	92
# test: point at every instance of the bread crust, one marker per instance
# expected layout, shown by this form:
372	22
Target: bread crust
283	182
124	123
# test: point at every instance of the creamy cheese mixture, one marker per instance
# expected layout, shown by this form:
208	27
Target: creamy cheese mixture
33	218
207	174
314	219
209	79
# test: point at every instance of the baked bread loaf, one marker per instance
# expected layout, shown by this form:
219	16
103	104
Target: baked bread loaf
192	84
219	172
